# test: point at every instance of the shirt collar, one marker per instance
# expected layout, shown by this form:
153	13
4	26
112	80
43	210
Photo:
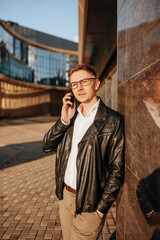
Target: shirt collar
91	110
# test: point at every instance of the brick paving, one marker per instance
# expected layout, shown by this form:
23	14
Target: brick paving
28	205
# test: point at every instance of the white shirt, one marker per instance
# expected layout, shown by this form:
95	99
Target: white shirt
81	125
154	113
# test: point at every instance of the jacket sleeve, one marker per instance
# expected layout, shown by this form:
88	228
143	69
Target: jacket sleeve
54	136
115	177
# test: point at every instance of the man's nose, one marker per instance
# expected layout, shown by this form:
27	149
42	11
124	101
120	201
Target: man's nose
79	87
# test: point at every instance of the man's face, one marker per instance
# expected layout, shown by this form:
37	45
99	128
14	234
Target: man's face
84	94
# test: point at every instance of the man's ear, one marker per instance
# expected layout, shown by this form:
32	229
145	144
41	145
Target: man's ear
97	84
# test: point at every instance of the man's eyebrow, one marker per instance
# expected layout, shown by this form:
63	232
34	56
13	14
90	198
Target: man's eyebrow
85	79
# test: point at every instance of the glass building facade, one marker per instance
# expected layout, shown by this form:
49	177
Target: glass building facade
25	62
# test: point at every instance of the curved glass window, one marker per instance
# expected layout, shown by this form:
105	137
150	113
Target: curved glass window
28	63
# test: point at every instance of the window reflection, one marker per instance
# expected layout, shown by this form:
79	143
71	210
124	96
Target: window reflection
27	63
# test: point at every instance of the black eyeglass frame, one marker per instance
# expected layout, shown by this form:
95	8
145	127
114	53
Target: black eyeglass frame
80	81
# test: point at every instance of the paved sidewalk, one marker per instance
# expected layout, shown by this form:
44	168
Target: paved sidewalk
28	205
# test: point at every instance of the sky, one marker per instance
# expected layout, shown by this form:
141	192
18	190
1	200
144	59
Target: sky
56	17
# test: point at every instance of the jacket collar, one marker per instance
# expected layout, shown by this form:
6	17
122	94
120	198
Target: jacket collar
101	113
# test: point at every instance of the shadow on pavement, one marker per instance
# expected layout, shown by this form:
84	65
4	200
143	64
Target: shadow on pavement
27	120
11	155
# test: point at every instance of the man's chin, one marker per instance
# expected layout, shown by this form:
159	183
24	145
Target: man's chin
81	99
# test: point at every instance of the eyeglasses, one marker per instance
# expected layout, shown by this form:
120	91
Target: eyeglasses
83	82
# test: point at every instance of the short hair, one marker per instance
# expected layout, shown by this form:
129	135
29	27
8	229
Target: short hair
78	67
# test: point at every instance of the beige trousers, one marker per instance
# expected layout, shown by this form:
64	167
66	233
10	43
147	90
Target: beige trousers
84	226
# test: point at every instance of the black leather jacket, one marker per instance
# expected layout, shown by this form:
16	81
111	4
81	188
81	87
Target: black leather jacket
100	159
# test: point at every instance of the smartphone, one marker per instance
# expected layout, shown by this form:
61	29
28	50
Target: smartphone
73	99
72	96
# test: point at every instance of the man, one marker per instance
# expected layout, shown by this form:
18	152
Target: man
89	164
